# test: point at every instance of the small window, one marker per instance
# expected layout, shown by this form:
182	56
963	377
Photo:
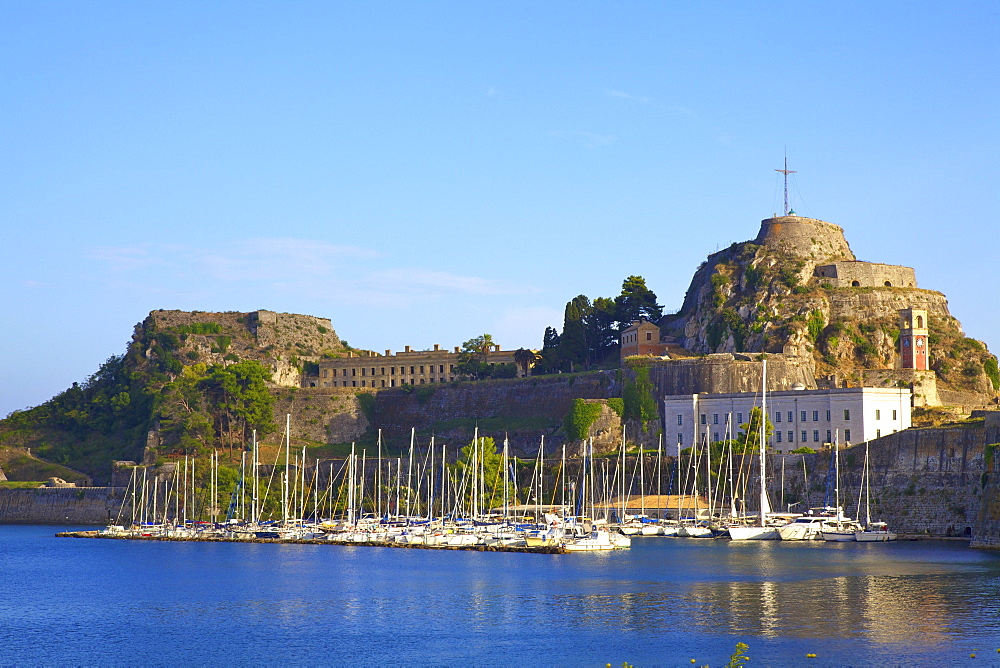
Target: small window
680	420
362	371
815	416
847	413
893	414
828	416
791	436
715	437
805	436
739	418
441	368
421	368
847	435
878	414
704	419
815	435
878	433
412	370
777	436
715	418
392	371
373	371
680	439
802	416
649	336
354	372
777	416
790	418
828	436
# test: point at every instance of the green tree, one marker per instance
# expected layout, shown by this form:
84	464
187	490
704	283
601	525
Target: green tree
473	361
602	333
750	434
573	342
637	395
524	359
635	301
240	400
478	473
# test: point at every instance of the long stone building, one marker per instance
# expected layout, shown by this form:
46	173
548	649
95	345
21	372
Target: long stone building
409	367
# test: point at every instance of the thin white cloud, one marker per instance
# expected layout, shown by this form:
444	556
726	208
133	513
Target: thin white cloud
287	266
678	110
610	92
420	280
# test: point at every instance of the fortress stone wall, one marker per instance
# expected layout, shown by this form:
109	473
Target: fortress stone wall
723	373
866	275
806	237
924	480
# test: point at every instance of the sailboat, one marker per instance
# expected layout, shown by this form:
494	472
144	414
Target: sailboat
764	529
842	530
874	532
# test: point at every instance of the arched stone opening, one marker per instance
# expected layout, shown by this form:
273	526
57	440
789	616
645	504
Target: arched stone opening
888	284
855	284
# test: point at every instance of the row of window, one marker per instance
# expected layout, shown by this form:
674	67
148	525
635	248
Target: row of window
391	382
815	436
392	370
803	416
779	436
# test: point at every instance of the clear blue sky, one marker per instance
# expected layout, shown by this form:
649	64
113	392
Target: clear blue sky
424	172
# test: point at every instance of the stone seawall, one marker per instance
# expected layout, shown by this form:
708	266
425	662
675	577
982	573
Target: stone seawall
987	531
922	480
67	505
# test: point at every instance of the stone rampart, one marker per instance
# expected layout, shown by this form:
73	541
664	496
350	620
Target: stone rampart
987	532
866	275
724	373
522	409
322	414
922	480
874	303
810	238
62	505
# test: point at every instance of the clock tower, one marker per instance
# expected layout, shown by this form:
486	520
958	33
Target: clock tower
913	351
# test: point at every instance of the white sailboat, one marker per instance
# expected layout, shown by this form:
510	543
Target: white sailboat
763	529
873	532
842	529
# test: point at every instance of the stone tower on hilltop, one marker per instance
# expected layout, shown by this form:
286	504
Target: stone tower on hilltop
805	237
797	289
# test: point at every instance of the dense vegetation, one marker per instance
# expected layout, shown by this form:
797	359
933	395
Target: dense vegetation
198	407
591	329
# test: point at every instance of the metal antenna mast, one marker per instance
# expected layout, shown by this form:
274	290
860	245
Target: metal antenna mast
786	172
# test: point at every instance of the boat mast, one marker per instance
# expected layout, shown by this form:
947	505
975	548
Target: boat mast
763	443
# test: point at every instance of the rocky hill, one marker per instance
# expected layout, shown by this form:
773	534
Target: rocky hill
799	285
285	343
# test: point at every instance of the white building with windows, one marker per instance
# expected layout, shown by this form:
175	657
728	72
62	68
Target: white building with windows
799	417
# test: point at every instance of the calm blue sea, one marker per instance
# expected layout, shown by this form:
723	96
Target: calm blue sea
664	602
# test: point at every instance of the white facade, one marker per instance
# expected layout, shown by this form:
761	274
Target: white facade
799	417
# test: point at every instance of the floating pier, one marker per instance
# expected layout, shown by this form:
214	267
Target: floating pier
553	549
